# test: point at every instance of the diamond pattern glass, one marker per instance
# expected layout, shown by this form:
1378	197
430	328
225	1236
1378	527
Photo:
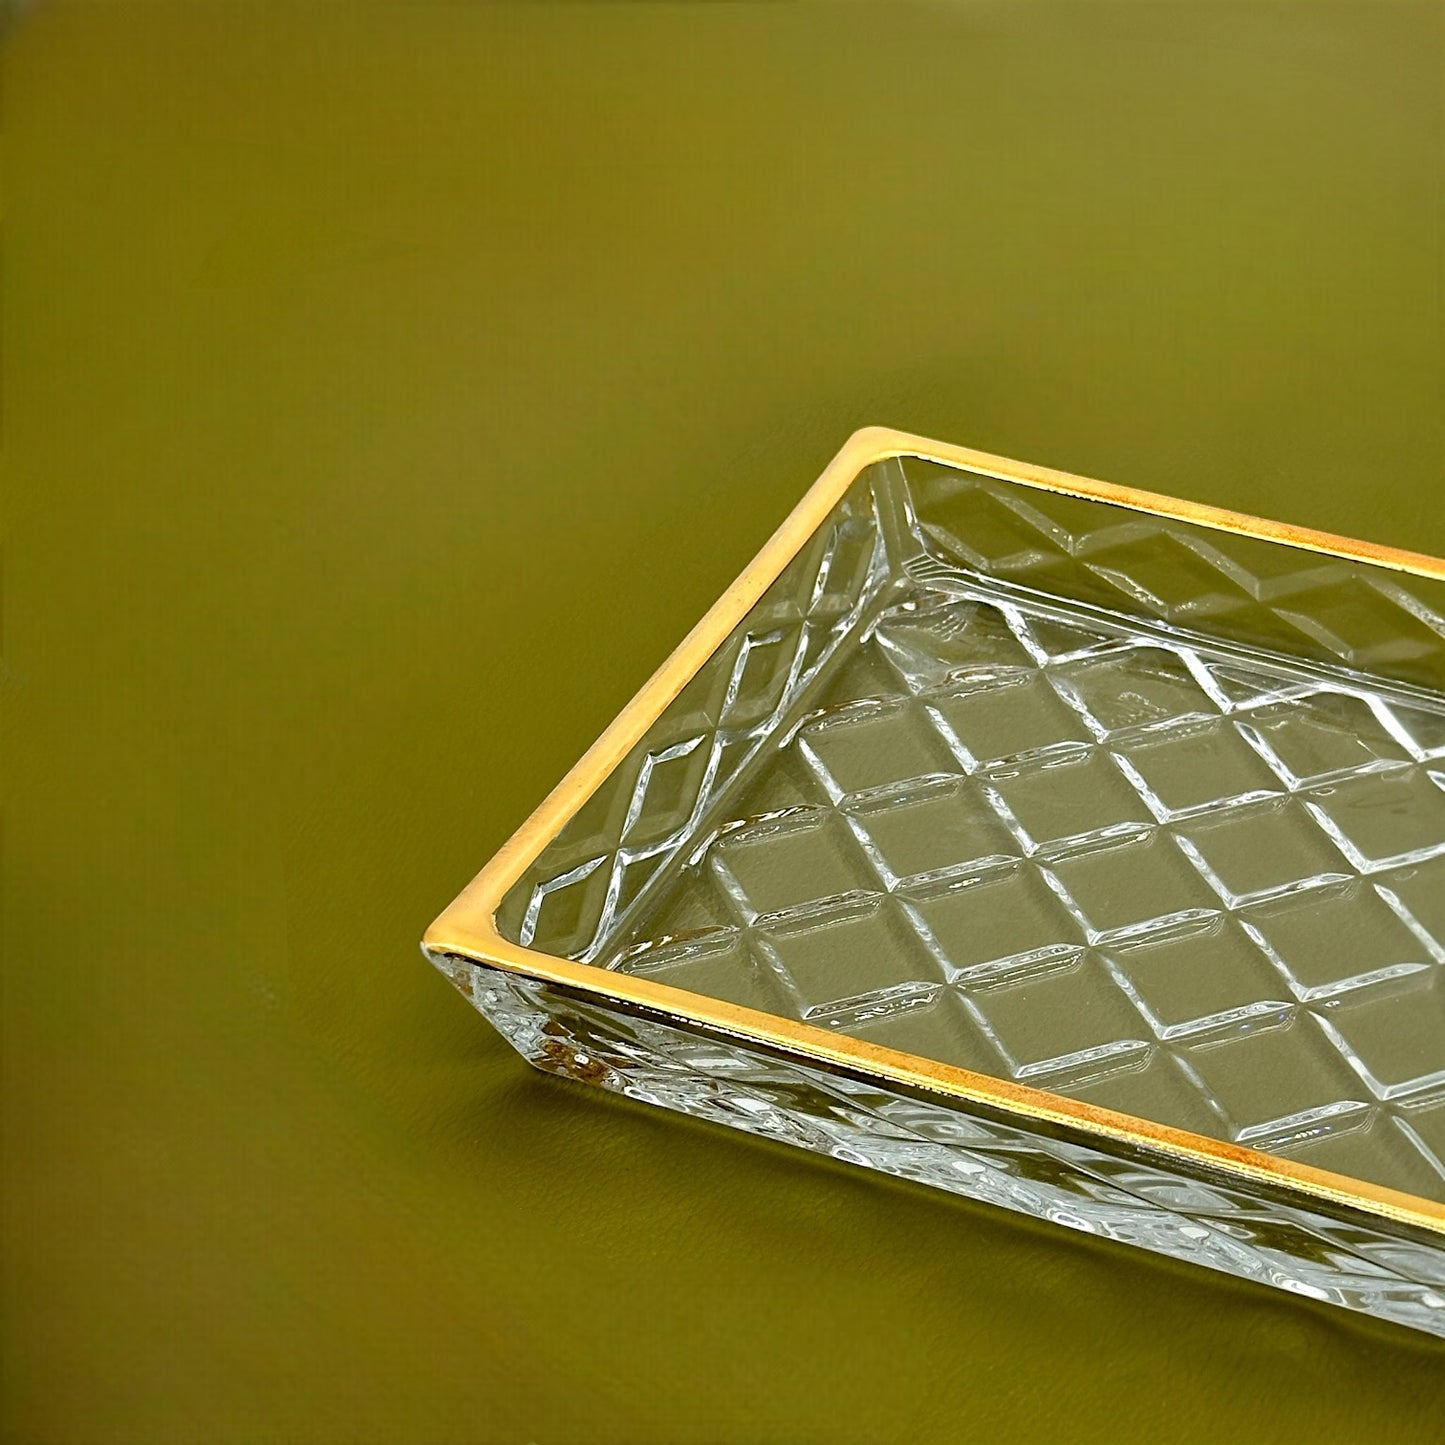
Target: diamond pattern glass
1110	805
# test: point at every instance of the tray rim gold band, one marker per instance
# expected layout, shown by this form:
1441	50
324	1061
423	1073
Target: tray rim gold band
467	927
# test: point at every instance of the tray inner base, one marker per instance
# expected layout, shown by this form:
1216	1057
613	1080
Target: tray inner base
1201	886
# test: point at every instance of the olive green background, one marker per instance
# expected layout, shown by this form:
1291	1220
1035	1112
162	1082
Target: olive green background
386	390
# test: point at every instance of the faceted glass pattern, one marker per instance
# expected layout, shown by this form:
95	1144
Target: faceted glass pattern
1119	807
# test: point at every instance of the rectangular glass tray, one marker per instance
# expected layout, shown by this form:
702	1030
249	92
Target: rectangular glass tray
1063	846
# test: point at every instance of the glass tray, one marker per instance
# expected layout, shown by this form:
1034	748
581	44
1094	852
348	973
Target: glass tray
1063	846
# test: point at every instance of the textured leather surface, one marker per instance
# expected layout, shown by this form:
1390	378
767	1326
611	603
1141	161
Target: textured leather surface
363	369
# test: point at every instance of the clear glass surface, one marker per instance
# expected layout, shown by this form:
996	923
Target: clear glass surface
1123	808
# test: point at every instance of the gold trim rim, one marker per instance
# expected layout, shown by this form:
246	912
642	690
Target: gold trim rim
467	927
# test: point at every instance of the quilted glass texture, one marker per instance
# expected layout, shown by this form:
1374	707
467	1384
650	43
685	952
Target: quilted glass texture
1120	807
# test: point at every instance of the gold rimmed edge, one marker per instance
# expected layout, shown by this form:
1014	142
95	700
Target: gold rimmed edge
467	927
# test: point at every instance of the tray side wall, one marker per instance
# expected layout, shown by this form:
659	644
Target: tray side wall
1223	1227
